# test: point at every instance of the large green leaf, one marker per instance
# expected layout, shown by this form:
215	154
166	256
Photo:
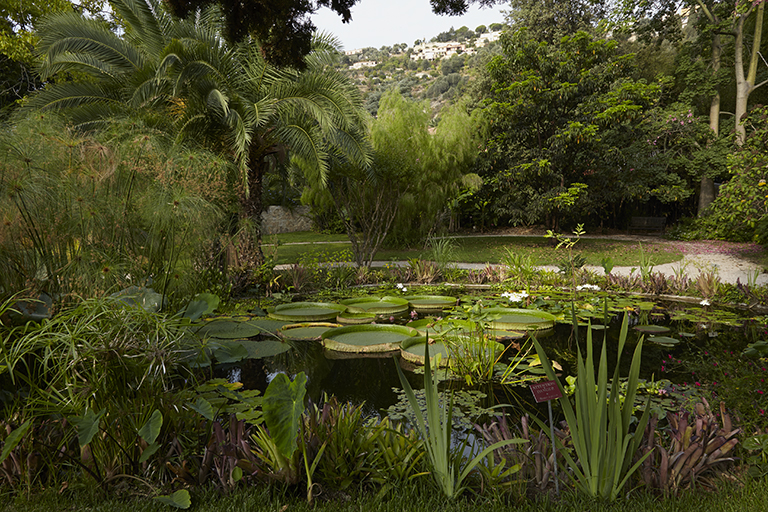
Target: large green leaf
151	429
87	425
202	304
179	499
283	406
202	407
14	438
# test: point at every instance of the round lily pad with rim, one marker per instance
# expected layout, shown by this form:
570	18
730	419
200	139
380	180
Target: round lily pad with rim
312	331
230	351
412	350
506	334
430	302
515	319
367	338
228	329
349	318
438	327
381	306
307	311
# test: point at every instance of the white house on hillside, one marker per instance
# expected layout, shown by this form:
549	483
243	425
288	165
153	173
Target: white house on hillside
363	64
436	51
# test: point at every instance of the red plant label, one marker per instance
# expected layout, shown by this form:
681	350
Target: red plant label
546	390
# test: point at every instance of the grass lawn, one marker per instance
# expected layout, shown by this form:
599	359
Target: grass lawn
751	497
486	249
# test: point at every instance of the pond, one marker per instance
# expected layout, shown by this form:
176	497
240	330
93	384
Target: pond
675	332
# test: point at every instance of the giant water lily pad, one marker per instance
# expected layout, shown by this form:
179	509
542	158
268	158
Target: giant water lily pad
348	318
515	319
651	329
367	338
412	350
312	331
382	306
439	327
664	341
506	334
229	329
307	311
233	351
430	302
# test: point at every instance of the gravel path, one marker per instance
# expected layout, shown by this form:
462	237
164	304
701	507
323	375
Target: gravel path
725	258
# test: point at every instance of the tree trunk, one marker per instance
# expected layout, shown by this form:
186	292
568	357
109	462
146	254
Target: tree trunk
707	188
746	84
250	254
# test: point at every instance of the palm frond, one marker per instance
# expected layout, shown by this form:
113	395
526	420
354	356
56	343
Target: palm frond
68	33
70	94
143	21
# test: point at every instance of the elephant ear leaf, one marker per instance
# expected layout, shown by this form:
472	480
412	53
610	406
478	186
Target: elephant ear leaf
202	304
179	499
87	425
14	438
151	428
283	406
203	407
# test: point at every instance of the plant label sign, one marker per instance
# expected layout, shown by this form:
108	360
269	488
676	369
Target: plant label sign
545	391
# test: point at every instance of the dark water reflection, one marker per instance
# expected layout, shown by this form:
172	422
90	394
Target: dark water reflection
370	380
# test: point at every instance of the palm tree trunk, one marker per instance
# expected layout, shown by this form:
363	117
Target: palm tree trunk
251	255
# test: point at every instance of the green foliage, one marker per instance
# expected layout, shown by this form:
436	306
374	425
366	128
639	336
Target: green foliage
84	215
569	111
600	422
220	95
283	406
389	200
435	430
741	207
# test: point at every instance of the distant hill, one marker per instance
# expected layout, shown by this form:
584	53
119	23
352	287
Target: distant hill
439	70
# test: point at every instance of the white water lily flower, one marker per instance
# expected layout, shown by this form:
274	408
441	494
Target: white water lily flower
514	297
399	286
704	302
588	287
405	289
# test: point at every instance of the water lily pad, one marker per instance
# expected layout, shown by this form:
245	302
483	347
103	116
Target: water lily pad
382	306
430	302
348	318
306	332
652	329
229	329
664	341
232	351
438	327
506	334
520	319
268	324
412	350
367	338
307	311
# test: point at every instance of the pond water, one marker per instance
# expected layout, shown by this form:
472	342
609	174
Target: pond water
372	380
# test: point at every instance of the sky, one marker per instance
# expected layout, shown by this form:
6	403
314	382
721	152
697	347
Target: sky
380	23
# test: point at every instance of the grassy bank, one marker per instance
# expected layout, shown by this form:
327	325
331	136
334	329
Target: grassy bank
290	247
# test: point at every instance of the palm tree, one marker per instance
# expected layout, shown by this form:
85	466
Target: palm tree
181	77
